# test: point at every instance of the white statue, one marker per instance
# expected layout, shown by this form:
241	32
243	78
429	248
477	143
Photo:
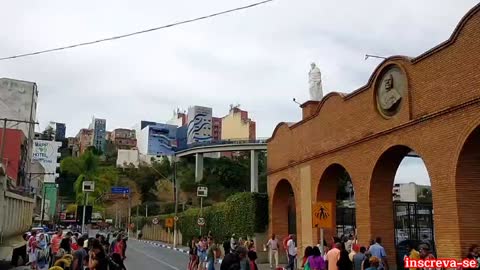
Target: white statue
315	81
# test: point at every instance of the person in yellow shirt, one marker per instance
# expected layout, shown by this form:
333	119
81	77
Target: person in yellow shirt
413	254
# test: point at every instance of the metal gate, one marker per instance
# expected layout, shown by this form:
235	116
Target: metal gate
346	221
413	222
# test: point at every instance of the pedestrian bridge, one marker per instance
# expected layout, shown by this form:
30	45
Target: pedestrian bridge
201	148
222	146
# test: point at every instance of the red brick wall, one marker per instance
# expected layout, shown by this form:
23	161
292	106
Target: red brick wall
439	112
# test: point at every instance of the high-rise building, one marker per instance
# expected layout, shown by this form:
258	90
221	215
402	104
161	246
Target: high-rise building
157	140
84	139
237	125
124	138
60	130
199	124
18	101
216	128
99	133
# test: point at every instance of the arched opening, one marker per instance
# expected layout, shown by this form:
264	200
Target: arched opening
468	191
401	203
336	186
284	218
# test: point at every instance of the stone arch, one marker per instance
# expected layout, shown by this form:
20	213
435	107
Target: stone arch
284	220
327	191
467	174
380	196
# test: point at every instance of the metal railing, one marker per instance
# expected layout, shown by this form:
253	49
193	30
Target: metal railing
222	142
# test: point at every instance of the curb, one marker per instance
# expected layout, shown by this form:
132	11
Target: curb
162	245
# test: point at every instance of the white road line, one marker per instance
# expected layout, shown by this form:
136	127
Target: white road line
153	258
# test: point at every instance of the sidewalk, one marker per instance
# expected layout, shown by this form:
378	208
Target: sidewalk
185	250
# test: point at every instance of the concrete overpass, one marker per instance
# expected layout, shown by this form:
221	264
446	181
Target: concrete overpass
199	149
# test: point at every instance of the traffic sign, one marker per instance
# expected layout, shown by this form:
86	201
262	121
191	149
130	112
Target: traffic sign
322	215
120	190
202	192
155	221
132	225
169	223
88	186
175	218
201	221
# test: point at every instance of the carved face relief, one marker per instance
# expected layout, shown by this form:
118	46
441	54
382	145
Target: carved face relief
390	91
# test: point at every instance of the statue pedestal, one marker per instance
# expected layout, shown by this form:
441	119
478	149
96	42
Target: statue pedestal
309	108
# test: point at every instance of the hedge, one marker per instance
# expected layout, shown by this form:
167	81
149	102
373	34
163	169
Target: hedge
243	214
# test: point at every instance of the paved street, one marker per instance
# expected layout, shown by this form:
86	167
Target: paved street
142	256
146	256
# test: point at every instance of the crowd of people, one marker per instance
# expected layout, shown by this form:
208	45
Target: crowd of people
238	254
73	251
346	254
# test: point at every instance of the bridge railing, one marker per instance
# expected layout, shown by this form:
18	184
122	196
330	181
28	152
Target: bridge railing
222	142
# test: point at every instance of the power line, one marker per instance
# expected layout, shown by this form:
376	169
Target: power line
138	32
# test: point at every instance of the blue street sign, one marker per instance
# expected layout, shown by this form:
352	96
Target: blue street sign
120	190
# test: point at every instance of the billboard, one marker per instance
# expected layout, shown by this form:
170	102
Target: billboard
199	124
46	153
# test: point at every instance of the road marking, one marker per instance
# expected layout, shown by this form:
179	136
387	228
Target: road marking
153	258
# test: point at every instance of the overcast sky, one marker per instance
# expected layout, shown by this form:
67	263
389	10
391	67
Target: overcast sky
258	57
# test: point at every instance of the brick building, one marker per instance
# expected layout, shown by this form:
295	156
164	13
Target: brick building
84	139
429	105
124	138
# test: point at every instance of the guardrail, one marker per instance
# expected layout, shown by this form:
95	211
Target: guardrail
223	142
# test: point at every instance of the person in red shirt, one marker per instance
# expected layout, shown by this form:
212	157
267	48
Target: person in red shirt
55	245
74	244
118	247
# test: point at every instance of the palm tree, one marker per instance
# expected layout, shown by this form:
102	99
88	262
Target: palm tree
87	168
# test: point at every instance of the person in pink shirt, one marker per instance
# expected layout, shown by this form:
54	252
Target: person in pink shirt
333	256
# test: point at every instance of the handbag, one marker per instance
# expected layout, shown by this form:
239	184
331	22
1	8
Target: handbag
306	266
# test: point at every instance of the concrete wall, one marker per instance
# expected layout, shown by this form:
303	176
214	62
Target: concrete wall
127	157
234	126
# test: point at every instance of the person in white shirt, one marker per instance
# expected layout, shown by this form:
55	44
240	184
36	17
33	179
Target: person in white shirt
273	246
292	252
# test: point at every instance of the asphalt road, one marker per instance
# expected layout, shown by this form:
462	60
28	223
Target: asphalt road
142	256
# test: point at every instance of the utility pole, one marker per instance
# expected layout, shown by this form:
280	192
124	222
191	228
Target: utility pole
136	225
4	136
129	212
175	180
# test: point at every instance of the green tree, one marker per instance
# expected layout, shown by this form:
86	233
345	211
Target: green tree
425	195
86	168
